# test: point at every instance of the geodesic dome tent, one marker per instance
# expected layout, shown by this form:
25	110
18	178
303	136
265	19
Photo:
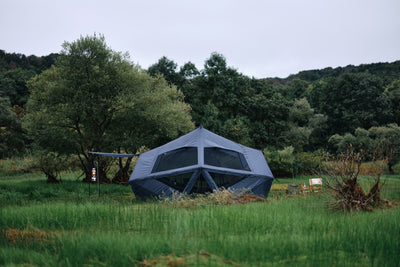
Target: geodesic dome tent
200	162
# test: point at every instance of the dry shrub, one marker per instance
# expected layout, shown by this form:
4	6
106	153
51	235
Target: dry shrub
26	237
201	258
343	172
373	168
217	197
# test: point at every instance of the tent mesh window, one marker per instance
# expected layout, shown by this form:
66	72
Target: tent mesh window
226	180
177	182
174	159
225	158
201	186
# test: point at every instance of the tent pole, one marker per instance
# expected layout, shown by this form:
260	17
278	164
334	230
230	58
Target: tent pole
209	179
192	181
98	176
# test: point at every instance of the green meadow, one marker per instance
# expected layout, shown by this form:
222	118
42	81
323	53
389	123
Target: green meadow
61	225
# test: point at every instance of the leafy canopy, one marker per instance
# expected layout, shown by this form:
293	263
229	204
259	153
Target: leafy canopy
94	99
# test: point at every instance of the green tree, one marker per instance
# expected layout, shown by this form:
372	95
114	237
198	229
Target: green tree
296	89
13	85
12	136
376	142
301	112
94	99
305	129
189	70
392	91
360	142
217	96
166	68
351	101
387	140
248	111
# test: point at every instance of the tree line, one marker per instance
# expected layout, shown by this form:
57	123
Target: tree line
90	97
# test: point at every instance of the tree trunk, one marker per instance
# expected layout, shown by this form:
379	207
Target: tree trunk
51	179
390	167
122	176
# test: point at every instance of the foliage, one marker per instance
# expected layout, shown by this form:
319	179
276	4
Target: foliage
94	99
388	70
383	141
303	110
282	162
392	91
13	85
12	136
387	139
309	161
351	101
305	128
11	61
166	68
51	164
288	163
17	165
295	89
16	70
233	105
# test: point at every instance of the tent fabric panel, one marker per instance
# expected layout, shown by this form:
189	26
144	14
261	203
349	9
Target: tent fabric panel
187	140
262	189
247	183
141	192
259	186
256	160
153	186
143	166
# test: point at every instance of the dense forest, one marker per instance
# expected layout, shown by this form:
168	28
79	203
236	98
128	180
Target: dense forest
293	120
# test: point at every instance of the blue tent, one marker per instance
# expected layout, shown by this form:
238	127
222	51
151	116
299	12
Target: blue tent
200	162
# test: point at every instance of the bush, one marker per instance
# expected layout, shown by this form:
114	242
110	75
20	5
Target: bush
17	165
308	162
285	162
51	164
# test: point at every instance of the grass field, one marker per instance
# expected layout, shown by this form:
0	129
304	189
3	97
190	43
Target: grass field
60	225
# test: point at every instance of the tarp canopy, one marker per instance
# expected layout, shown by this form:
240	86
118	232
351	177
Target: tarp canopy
199	162
114	155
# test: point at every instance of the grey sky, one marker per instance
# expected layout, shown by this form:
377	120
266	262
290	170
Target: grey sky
259	38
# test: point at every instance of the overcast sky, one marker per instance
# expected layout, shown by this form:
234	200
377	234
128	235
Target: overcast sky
260	38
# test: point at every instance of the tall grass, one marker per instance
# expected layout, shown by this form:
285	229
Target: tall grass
16	165
114	232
